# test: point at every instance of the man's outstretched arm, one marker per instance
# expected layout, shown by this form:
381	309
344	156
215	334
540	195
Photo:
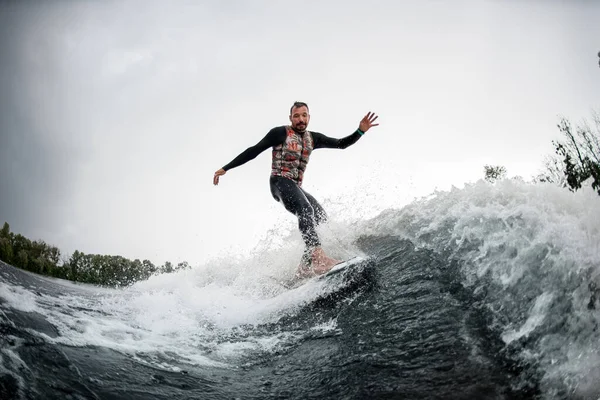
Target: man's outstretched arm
326	142
273	138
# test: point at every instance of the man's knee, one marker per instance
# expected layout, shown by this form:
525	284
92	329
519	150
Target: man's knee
307	213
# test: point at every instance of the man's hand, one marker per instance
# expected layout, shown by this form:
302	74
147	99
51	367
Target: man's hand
219	173
367	122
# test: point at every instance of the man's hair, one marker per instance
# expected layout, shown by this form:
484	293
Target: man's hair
298	104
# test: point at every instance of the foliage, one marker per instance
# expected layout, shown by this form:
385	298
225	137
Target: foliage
39	257
577	156
552	171
494	172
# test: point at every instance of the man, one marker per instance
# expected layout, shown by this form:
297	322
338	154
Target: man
292	146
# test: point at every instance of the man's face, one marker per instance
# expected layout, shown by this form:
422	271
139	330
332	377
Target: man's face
299	118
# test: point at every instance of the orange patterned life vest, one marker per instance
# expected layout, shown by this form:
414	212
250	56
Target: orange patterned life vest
290	157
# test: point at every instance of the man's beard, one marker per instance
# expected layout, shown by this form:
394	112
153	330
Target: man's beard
300	127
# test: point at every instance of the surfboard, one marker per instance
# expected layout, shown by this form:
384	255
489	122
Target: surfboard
336	270
342	266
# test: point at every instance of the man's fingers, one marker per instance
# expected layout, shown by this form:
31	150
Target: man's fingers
370	117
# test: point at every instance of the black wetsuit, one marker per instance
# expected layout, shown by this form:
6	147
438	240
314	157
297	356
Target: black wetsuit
295	199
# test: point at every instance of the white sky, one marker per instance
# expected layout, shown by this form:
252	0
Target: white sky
115	115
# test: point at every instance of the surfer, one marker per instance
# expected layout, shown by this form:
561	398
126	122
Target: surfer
292	146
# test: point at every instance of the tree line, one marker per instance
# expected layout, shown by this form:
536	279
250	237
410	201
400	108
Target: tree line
39	257
576	157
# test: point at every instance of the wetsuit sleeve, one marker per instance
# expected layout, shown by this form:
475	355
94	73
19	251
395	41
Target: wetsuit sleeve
326	142
273	138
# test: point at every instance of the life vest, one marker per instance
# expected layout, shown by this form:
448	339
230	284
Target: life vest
290	157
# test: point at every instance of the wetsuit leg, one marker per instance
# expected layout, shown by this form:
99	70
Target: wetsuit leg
296	201
320	214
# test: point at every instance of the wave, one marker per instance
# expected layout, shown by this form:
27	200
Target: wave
481	292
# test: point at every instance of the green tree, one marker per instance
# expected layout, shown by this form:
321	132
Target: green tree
20	243
6	250
552	171
22	259
183	265
578	154
74	265
148	269
167	268
5	232
494	173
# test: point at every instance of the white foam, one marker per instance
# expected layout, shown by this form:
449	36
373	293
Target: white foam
11	362
328	327
18	297
535	318
536	247
208	315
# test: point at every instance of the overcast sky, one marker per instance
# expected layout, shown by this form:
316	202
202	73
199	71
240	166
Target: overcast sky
115	115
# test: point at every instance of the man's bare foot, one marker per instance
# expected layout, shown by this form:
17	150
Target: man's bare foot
321	263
